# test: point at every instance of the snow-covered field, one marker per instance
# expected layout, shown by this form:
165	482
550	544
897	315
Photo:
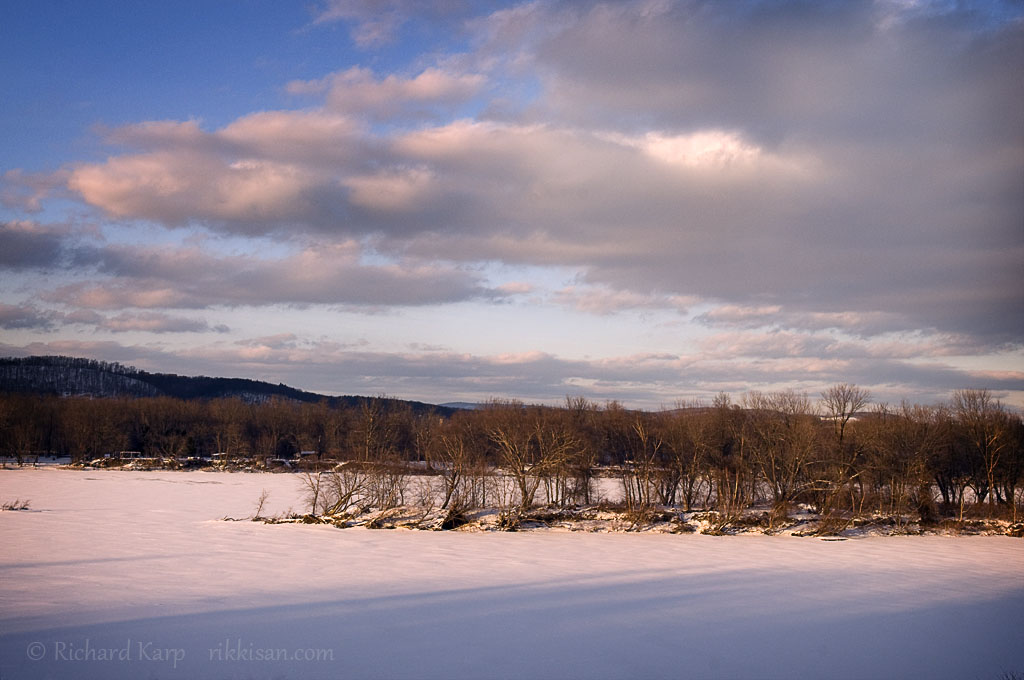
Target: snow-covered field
116	574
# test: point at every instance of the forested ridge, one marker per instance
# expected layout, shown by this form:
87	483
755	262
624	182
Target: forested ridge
71	376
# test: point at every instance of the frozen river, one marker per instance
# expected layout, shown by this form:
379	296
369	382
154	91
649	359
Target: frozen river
116	574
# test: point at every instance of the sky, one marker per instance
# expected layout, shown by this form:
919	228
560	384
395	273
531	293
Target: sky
645	201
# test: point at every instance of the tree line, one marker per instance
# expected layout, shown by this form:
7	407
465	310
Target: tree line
839	454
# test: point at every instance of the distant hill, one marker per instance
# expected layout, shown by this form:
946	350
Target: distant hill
71	376
462	405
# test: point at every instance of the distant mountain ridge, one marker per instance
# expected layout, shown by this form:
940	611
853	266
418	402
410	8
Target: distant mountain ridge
72	376
463	405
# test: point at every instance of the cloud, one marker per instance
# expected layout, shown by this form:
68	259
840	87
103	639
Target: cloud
559	197
103	350
788	344
358	91
603	301
28	316
705	148
157	322
25	244
156	134
396	191
749	224
179	186
829	189
256	175
27	190
25	316
189	277
375	23
648	380
750	317
773	68
516	288
317	139
852	164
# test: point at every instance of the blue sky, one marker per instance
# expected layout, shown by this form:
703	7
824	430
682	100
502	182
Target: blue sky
646	201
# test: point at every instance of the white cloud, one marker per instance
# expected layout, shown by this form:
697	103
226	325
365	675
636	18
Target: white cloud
394	191
602	300
377	23
706	148
358	91
177	187
304	137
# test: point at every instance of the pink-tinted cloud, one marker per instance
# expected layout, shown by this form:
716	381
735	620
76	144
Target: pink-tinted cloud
358	91
602	300
167	277
178	186
374	23
27	190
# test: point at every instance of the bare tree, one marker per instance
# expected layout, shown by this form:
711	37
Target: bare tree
841	403
344	488
729	464
582	418
841	482
260	502
782	441
558	452
984	424
311	482
688	436
386	483
513	436
639	472
899	443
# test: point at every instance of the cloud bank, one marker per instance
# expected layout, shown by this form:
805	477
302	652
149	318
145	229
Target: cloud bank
819	191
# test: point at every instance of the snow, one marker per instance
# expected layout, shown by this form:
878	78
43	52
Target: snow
118	574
